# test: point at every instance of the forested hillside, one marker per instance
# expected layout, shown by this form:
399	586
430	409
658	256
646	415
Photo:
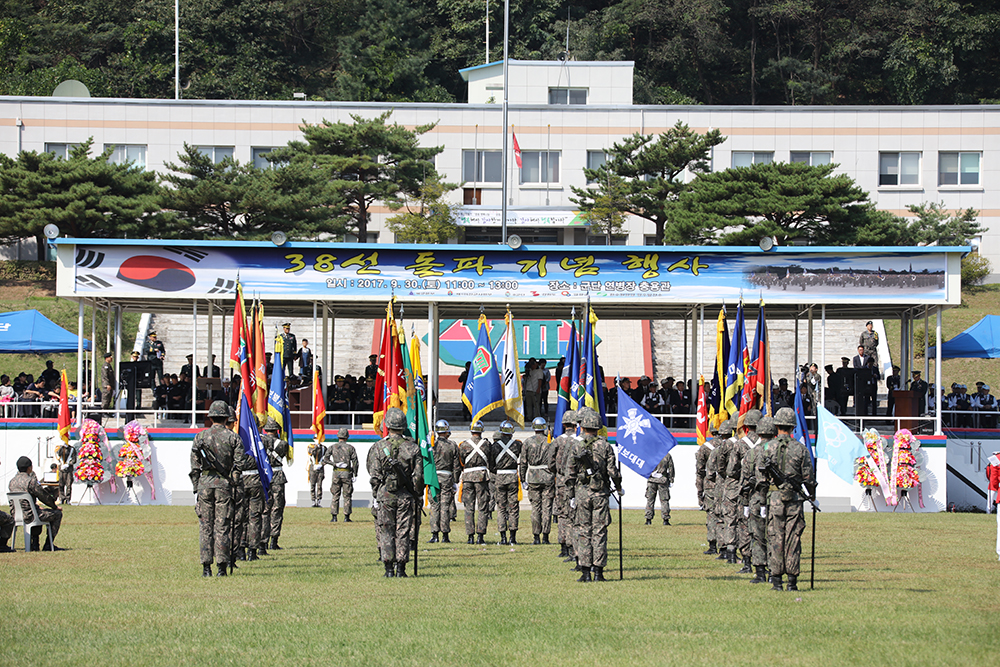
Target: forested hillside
685	51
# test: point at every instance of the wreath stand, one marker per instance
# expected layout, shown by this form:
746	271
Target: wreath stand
93	494
869	498
129	490
904	499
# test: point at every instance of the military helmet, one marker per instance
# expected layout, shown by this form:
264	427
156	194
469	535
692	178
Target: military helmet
271	425
477	427
218	409
752	418
507	427
726	427
569	417
784	417
713	428
343	434
232	414
539	424
766	427
442	426
395	419
589	418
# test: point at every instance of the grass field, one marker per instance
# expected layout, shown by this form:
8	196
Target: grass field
901	589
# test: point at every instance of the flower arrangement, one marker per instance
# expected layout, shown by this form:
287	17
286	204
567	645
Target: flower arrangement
131	455
864	475
90	466
905	446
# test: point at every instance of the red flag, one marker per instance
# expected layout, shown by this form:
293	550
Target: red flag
319	410
517	152
64	408
381	378
239	324
701	425
757	384
260	365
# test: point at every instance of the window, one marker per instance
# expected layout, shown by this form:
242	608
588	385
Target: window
750	158
812	158
899	169
123	153
217	153
567	95
595	160
616	239
259	159
60	150
958	168
481	166
539	166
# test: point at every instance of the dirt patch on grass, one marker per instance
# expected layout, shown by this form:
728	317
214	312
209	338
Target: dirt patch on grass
19	290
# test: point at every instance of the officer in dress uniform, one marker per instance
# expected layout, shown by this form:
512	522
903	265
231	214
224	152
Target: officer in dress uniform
340	400
289	348
919	388
153	351
67	455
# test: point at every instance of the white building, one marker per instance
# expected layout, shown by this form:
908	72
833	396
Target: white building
564	114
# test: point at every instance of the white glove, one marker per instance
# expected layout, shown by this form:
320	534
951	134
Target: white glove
763	512
374	504
572	503
353	480
746	512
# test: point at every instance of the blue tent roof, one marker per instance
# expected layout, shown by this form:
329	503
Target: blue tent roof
980	341
29	331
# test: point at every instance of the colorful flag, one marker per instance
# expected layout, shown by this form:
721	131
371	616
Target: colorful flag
390	383
513	402
248	429
736	364
716	405
64	420
420	425
701	420
277	402
568	380
801	432
260	365
381	385
239	329
592	380
642	440
836	443
517	152
757	384
319	409
483	389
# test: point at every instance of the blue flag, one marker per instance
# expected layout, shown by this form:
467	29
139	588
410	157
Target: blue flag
836	443
566	380
801	432
483	389
253	445
643	441
277	401
739	356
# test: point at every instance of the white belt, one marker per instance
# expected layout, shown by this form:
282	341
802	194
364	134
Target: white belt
341	465
274	467
656	475
476	469
247	473
507	472
444	472
544	467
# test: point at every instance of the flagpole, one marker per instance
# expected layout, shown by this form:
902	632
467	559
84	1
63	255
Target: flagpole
506	88
812	572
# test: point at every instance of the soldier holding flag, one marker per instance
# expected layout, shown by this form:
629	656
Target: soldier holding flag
398	481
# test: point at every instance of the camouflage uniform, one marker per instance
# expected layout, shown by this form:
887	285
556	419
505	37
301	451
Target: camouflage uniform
398	487
215	452
590	473
474	455
744	446
659	485
317	472
757	499
6	529
448	470
240	507
709	488
67	455
505	462
277	449
253	494
344	459
704	485
562	447
538	468
732	508
26	482
785	520
370	467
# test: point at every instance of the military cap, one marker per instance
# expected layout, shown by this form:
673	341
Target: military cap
766	427
784	417
152	334
569	417
218	409
507	427
752	418
287	324
23	463
442	426
589	418
539	423
477	427
271	425
343	434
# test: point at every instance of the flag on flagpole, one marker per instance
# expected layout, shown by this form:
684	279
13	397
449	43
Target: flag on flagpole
575	363
277	401
513	402
248	429
319	410
701	421
390	383
801	432
716	406
757	383
566	379
592	382
64	419
642	440
836	443
422	431
260	365
517	152
736	365
239	328
483	389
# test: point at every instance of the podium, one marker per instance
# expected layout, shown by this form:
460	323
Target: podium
301	399
907	405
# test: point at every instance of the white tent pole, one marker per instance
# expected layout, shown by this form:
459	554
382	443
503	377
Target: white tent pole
194	363
937	375
822	355
119	316
79	365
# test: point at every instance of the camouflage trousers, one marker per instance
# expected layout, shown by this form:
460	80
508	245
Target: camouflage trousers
742	526
592	520
652	491
785	523
441	507
395	524
491	495
277	504
316	478
730	510
214	507
255	509
508	509
757	528
65	486
710	525
239	515
341	486
453	509
541	497
475	496
563	511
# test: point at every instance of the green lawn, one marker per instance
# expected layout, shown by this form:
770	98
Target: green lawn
901	589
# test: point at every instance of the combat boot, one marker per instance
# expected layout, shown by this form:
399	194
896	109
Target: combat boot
585	577
434	538
793	582
222	569
761	575
711	548
563	551
545	538
401	569
666	522
444	538
481	538
390	569
723	554
599	574
347	518
241	554
503	537
513	537
536	540
262	551
746	566
252	555
577	568
333	519
733	558
472	539
649	522
206	570
274	544
776	582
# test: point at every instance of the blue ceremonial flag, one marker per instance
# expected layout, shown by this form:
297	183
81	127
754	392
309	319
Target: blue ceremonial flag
277	400
801	432
592	380
566	381
739	357
642	440
253	445
483	389
836	443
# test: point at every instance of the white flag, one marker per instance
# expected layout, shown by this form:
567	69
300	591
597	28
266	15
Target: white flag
512	400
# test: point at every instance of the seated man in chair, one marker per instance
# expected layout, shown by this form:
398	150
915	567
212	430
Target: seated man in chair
26	482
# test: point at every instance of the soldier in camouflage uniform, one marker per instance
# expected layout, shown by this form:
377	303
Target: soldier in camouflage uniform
706	485
561	449
592	469
732	507
757	501
397	474
317	472
67	455
448	470
717	464
659	485
474	456
240	503
344	459
506	454
538	468
215	453
742	448
277	449
370	467
784	466
254	502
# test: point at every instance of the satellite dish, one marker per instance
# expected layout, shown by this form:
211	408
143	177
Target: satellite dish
514	241
50	231
71	88
766	243
279	238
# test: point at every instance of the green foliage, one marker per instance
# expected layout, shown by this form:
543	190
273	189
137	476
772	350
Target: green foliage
641	174
605	216
429	218
975	269
14	271
935	225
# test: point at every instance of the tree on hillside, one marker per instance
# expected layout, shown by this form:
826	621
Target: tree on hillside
365	162
84	196
931	224
428	218
650	170
605	216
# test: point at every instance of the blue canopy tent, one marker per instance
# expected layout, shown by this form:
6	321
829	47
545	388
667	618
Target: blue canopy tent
25	331
980	341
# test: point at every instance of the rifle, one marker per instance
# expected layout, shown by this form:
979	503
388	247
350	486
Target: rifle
771	468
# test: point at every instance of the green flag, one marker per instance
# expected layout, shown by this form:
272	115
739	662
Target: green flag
416	414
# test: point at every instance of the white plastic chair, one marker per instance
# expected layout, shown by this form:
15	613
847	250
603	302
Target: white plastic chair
22	519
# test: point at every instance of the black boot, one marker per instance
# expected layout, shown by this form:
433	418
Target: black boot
333	519
206	570
444	538
262	551
434	538
503	537
472	539
513	537
252	555
733	558
570	556
274	544
666	522
760	576
649	522
545	538
401	570
793	581
577	568
241	554
599	574
347	518
776	582
563	551
746	566
536	540
711	548
390	569
481	538
723	554
222	567
585	577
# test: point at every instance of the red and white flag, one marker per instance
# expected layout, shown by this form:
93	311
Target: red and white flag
517	152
